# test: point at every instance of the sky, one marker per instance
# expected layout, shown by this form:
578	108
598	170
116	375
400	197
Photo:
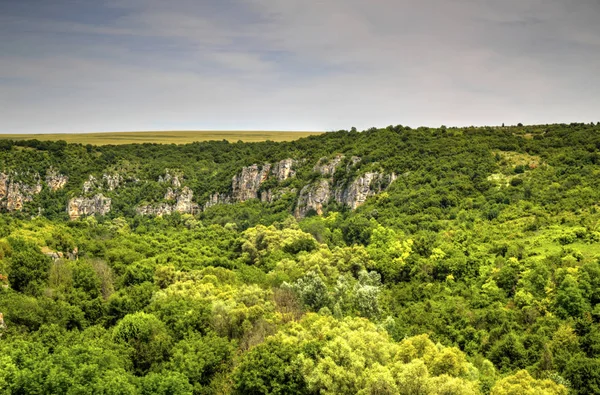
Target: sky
118	65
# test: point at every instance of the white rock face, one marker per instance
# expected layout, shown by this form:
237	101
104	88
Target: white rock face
313	197
174	180
328	167
283	170
246	184
217	198
369	184
157	210
55	180
112	181
82	206
14	194
183	204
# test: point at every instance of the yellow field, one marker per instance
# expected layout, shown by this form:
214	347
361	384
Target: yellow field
166	137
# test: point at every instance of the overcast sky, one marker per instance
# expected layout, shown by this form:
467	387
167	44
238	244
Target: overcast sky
113	65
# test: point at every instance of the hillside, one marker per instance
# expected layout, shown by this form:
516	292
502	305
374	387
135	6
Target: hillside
389	261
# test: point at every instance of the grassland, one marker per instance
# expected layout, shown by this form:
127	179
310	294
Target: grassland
166	137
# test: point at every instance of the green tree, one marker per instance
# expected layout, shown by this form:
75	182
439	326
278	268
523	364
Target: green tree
269	368
148	338
28	267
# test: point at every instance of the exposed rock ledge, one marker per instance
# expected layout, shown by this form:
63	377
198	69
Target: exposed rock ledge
183	204
14	194
81	206
246	185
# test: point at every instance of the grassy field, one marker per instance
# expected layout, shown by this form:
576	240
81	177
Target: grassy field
166	137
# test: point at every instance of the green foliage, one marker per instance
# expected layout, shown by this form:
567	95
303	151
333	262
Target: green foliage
147	337
269	368
27	266
476	271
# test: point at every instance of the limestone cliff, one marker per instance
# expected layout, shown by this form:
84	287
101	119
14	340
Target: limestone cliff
357	192
82	206
183	204
14	194
313	197
246	184
217	198
55	180
112	181
108	182
352	193
173	179
328	167
284	169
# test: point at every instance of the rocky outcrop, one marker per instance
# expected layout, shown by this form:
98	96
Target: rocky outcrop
246	184
217	198
156	210
183	204
174	180
313	197
284	169
4	180
328	167
109	182
170	195
351	194
90	184
55	180
14	194
357	192
269	196
112	181
82	206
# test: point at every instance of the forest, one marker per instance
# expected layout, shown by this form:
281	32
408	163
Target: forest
475	271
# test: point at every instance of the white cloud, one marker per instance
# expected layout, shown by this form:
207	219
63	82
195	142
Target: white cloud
258	64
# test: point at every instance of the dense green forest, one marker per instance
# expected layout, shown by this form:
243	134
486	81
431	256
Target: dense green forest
477	271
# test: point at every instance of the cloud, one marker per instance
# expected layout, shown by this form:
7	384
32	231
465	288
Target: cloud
258	64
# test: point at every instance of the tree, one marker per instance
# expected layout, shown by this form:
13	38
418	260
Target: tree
165	383
148	338
521	383
269	368
584	375
28	267
200	357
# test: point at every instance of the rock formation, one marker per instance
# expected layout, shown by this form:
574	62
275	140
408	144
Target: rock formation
112	181
14	194
55	180
157	210
352	194
313	197
3	185
246	184
109	182
174	180
283	170
183	204
217	198
328	167
170	195
355	194
90	184
81	206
